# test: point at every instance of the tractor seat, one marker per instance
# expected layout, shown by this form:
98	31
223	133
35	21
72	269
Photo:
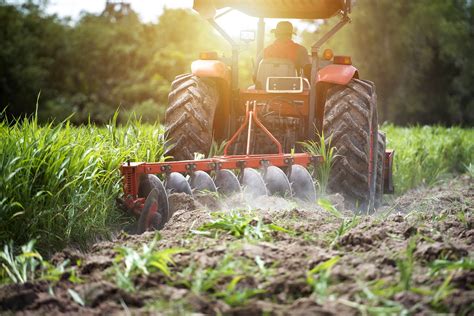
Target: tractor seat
274	67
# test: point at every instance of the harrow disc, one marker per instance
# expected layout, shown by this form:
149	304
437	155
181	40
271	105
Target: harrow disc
151	184
226	182
201	181
277	182
302	184
150	217
253	183
176	183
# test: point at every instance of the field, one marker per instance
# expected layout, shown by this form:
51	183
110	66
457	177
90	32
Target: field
58	185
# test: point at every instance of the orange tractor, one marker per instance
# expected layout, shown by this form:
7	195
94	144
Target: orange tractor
264	125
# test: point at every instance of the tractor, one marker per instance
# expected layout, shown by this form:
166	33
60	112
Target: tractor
263	126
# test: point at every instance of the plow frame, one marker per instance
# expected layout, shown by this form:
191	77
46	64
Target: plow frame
132	171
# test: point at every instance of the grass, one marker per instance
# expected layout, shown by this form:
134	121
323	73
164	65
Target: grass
59	183
424	154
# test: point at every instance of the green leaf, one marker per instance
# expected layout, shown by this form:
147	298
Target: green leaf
76	297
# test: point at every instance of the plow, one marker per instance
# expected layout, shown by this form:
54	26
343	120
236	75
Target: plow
264	125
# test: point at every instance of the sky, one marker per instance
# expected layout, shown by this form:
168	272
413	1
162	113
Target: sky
149	10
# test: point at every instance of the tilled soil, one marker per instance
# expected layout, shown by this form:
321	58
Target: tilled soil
376	272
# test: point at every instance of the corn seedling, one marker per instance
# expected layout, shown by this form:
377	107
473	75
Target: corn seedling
142	263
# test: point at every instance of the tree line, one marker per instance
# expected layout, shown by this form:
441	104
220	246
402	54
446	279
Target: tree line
418	53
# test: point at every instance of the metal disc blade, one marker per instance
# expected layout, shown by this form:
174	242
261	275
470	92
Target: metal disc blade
150	217
200	181
277	182
253	183
176	183
226	182
302	184
150	182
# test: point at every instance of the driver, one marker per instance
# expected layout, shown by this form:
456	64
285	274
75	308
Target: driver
285	48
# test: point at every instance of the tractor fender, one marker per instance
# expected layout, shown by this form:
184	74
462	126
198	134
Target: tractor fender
210	69
337	74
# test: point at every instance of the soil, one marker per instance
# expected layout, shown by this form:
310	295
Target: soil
438	221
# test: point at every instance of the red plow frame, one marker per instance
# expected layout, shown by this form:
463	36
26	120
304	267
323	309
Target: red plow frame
133	171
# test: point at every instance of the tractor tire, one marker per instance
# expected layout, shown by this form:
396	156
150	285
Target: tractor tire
380	169
189	117
350	124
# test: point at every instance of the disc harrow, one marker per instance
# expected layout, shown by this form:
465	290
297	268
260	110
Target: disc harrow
248	175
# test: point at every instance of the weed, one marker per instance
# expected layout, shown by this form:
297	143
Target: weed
217	149
76	297
461	216
28	265
239	224
23	267
142	263
446	265
322	147
346	224
319	279
225	280
469	169
405	265
375	304
442	292
329	207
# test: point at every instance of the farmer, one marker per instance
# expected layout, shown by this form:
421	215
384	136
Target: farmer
285	48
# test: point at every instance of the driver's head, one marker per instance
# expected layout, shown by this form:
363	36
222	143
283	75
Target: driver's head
284	30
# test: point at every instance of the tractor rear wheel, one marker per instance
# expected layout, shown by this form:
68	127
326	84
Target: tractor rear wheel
350	124
189	117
